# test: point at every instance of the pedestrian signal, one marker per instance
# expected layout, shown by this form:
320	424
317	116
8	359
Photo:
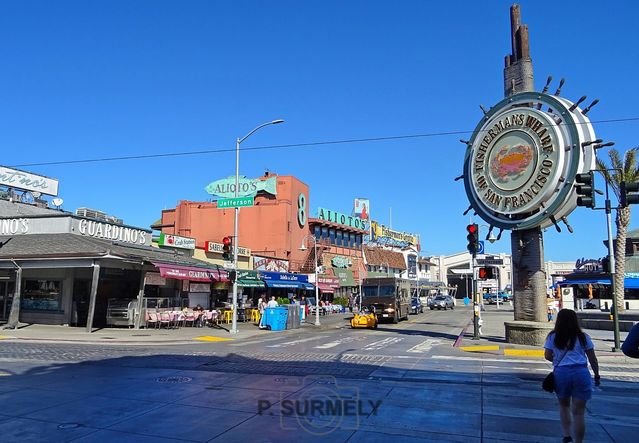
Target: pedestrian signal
486	273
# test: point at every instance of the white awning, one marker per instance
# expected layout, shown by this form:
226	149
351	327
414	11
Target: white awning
460	271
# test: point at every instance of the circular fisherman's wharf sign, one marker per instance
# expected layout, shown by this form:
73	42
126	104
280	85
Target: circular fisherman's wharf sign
522	159
516	165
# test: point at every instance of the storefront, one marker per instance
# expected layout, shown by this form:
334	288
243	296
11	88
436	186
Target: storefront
281	284
69	270
593	291
327	286
250	287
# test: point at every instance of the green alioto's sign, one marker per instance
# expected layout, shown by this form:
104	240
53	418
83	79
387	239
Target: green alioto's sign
339	262
342	219
247	187
234	202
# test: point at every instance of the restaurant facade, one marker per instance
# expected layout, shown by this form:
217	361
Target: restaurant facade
71	270
280	233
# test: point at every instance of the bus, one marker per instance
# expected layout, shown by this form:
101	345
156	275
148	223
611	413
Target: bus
388	297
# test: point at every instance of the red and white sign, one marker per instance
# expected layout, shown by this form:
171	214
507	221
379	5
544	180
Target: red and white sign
191	273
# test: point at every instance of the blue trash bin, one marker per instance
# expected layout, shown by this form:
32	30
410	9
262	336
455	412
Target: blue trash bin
275	318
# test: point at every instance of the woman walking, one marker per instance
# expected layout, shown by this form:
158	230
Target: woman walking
569	349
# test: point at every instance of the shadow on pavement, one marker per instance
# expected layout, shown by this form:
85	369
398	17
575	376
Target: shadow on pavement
302	397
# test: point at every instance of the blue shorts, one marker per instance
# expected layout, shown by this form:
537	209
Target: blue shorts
573	381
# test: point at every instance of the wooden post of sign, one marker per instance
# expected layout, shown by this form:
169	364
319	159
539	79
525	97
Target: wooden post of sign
94	294
529	280
14	314
140	311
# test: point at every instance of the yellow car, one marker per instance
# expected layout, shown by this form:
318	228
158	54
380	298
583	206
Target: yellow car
364	320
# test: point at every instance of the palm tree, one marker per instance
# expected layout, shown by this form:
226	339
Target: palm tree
625	170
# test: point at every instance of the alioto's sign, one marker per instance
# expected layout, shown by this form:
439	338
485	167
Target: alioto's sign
342	219
522	159
247	187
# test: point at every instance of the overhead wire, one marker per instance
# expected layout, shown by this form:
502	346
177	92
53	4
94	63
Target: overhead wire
281	146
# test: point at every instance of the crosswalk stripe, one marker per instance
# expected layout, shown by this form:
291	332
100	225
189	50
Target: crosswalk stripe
424	346
332	344
291	343
382	343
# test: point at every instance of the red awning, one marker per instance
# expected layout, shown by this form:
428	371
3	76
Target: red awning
191	273
326	289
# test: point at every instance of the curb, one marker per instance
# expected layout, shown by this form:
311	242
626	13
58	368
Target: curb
537	353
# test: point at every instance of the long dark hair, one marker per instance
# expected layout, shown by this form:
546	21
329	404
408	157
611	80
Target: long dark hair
567	330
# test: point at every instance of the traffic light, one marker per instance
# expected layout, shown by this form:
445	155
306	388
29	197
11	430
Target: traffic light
486	273
605	265
232	275
586	189
227	247
629	194
473	238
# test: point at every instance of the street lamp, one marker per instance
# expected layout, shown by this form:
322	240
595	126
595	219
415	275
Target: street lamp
236	242
303	248
387	268
490	237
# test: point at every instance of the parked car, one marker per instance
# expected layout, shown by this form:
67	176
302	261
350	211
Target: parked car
501	297
416	306
506	296
442	302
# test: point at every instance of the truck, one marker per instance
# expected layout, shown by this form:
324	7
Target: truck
387	297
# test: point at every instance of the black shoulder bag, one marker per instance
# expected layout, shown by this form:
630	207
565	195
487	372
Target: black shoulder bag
548	384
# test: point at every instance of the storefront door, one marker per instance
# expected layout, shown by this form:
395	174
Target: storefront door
81	295
6	297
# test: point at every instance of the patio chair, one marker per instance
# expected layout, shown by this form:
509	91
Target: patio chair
208	318
189	317
165	319
175	319
151	318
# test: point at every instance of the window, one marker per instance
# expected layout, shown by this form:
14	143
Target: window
42	295
340	238
331	235
317	231
352	240
324	232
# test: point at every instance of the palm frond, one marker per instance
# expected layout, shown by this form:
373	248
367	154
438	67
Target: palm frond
630	164
603	168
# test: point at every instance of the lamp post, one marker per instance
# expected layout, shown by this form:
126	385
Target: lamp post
303	248
238	142
387	268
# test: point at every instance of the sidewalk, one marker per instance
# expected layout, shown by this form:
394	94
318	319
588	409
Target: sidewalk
153	336
493	334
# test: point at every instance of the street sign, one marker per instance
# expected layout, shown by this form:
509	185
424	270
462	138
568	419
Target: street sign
490	261
234	202
480	250
229	265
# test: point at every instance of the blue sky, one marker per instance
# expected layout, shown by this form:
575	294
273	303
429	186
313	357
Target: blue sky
85	80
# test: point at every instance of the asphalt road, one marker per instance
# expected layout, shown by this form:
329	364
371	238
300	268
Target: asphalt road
404	382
